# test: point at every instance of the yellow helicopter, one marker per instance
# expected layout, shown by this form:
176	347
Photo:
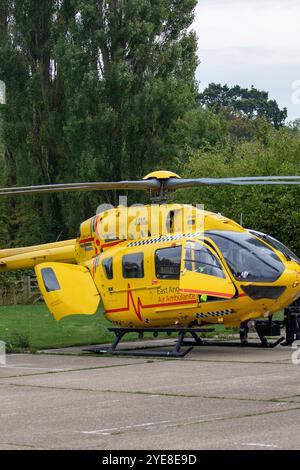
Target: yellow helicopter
165	267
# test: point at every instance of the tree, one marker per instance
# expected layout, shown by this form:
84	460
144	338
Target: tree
29	131
251	103
95	89
128	72
271	209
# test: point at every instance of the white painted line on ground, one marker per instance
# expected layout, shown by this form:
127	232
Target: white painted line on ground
167	424
108	431
35	368
258	444
19	365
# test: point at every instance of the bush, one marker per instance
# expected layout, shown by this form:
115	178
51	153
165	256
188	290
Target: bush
19	342
271	209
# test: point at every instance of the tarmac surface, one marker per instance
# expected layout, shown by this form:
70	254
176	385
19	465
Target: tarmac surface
214	398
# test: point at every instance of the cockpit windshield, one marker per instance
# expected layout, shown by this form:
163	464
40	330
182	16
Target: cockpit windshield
248	258
277	245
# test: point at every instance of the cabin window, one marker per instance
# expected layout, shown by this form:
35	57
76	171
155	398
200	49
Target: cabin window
133	266
199	259
108	267
50	280
167	263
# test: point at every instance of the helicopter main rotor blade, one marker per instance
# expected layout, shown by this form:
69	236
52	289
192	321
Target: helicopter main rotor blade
97	186
153	184
174	183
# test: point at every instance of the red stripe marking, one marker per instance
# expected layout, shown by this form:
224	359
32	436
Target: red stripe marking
152	306
229	296
106	245
86	240
183	302
139	306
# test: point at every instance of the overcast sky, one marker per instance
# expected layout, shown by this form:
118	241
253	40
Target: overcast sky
251	42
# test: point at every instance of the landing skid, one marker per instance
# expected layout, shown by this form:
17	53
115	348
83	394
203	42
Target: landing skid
176	352
263	329
236	344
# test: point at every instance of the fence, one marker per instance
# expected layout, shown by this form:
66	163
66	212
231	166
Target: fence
22	291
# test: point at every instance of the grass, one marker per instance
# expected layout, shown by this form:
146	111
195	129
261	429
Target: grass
32	327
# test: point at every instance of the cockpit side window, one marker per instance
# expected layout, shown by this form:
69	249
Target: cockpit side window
248	258
199	259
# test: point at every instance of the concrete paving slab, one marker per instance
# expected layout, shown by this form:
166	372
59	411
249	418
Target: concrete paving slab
241	354
293	398
8	446
198	378
28	364
48	419
270	431
217	398
206	353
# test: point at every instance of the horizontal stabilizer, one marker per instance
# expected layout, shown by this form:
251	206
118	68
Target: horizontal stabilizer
28	257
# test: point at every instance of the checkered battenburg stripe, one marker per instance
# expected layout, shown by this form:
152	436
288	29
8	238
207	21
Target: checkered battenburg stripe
218	313
164	238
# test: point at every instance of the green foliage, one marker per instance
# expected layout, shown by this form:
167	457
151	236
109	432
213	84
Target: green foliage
271	209
7	278
18	342
33	327
105	90
202	128
250	103
29	328
94	92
